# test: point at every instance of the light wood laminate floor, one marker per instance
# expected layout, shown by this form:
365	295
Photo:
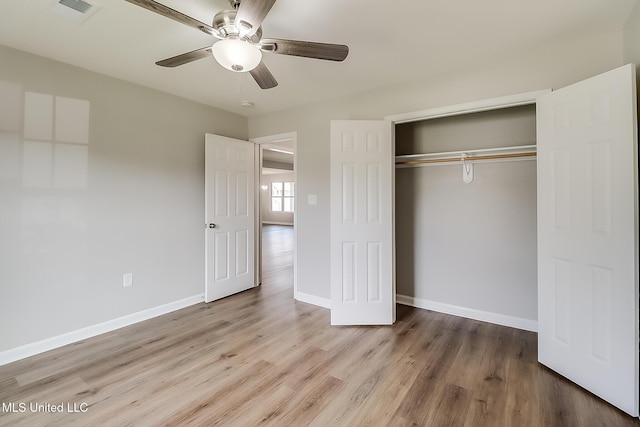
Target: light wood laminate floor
261	358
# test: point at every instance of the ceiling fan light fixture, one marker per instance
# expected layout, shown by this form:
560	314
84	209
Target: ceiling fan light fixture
236	55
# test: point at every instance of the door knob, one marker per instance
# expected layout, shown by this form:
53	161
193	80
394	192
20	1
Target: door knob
212	225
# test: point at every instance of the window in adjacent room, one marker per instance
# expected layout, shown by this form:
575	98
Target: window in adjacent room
282	196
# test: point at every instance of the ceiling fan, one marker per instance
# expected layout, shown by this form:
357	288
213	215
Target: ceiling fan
239	43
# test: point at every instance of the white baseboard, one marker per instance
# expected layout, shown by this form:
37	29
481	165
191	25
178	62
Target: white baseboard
470	313
312	299
38	347
277	223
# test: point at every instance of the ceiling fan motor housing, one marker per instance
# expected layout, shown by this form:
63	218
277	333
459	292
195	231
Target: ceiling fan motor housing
224	27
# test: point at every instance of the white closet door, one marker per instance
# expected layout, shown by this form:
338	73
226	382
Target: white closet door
362	242
587	235
230	216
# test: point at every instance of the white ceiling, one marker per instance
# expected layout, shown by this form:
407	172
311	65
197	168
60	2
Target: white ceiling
389	42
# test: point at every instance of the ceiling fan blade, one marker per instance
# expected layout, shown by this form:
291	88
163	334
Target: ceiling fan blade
263	76
167	12
331	52
250	15
185	58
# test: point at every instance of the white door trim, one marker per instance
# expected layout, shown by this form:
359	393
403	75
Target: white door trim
265	142
525	98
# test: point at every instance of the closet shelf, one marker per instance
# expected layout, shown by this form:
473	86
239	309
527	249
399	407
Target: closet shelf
498	153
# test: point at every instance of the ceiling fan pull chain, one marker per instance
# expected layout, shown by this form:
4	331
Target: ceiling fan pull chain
239	82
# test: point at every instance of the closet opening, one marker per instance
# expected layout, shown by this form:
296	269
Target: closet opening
466	226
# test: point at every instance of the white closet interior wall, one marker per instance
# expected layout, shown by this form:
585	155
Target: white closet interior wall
469	247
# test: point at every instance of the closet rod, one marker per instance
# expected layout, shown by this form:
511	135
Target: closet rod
469	158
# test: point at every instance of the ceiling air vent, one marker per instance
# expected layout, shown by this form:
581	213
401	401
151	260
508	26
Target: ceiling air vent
77	5
76	11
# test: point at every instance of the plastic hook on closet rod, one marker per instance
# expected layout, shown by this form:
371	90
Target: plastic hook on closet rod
467	169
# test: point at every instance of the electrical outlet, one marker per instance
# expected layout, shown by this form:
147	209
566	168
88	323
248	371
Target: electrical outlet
127	280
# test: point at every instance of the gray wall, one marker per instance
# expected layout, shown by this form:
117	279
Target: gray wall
469	245
130	202
552	67
632	43
632	37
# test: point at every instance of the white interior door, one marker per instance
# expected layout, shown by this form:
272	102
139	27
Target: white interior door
230	216
362	242
587	235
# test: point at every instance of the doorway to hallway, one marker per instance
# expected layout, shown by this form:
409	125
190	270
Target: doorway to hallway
277	258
